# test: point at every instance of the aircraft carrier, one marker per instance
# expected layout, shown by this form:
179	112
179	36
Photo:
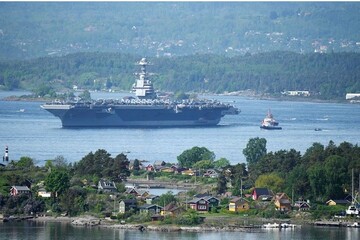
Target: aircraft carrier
143	110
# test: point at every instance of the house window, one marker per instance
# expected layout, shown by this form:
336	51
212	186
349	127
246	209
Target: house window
202	207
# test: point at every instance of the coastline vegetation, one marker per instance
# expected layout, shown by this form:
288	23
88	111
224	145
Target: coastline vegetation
321	174
263	74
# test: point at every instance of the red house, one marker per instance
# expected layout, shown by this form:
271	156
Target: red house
199	204
150	168
16	190
263	193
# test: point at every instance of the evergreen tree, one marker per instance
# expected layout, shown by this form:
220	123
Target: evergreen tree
221	184
120	168
136	167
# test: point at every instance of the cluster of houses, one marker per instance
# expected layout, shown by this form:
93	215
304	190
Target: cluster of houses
161	166
140	200
205	203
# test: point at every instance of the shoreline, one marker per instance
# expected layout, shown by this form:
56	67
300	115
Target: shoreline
90	221
29	98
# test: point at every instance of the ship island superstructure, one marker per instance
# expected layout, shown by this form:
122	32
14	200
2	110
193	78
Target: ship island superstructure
146	110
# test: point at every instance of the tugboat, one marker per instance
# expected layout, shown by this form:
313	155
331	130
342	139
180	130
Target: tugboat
270	123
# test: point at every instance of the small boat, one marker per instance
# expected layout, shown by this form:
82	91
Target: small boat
352	210
318	129
271	225
354	225
279	225
269	122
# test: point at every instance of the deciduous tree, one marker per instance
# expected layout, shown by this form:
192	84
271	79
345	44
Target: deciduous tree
57	182
271	181
255	150
193	155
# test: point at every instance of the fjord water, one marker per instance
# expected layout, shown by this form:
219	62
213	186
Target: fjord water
49	230
31	131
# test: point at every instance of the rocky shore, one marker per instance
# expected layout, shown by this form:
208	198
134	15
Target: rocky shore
172	228
90	221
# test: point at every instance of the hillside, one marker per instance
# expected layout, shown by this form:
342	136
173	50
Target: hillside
326	76
35	29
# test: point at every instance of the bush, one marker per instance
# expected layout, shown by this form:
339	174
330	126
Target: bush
140	218
125	215
273	213
167	220
190	217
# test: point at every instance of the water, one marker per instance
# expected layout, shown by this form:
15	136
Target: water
48	230
37	134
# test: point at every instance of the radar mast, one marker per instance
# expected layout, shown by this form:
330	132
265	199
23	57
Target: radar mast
143	87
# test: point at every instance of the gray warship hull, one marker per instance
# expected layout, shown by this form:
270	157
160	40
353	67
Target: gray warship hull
138	115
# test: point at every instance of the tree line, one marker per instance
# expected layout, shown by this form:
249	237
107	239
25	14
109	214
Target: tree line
326	76
320	174
229	28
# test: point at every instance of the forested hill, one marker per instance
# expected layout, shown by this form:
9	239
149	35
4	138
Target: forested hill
36	29
327	76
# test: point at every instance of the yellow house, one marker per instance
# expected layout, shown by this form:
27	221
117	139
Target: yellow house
188	172
282	202
167	170
332	202
238	205
43	193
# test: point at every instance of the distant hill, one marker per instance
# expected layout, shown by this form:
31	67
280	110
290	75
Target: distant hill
36	29
326	76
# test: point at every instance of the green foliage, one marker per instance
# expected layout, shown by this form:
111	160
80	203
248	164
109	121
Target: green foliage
165	199
244	27
140	218
25	163
120	168
73	201
221	163
238	173
271	181
255	149
126	215
221	184
100	164
272	213
203	164
45	90
320	174
190	218
136	167
59	163
270	73
85	95
34	206
191	156
57	182
323	172
181	96
325	212
120	187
